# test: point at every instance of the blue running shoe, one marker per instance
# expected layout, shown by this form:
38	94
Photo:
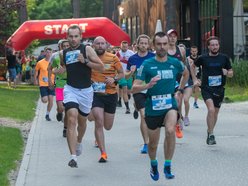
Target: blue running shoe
144	150
154	172
167	172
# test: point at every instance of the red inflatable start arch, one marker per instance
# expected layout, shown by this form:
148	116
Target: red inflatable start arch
56	29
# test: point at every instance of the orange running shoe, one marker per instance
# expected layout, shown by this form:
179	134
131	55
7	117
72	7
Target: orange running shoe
179	132
103	158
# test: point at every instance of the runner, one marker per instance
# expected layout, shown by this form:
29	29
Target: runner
125	85
159	74
105	93
78	92
215	68
60	81
196	89
41	77
180	54
134	62
188	90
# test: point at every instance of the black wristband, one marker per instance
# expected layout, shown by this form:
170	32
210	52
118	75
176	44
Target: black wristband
180	90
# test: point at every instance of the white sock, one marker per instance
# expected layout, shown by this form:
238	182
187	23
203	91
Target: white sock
47	112
74	157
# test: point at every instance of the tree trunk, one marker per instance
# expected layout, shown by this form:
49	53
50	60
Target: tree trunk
22	10
75	8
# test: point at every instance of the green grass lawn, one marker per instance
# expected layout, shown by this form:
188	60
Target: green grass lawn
11	148
236	94
18	104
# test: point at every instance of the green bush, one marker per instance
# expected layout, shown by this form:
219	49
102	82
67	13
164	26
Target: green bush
240	77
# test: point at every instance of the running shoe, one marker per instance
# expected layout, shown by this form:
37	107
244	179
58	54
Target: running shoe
211	140
103	158
144	149
154	172
167	172
119	104
195	105
64	133
135	114
59	116
186	121
128	111
79	149
179	132
47	117
73	163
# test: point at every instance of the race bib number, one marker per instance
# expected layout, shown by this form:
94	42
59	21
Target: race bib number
214	81
72	57
45	79
161	102
99	87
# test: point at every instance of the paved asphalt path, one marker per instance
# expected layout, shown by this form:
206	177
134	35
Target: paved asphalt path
194	163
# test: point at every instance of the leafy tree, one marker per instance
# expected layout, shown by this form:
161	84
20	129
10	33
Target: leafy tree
50	9
75	8
41	10
22	11
8	21
91	8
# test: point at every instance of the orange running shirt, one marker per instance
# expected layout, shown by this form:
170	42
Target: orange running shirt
41	66
111	65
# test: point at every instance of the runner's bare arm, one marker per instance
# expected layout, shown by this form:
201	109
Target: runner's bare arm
183	53
130	72
184	79
139	86
49	70
36	72
193	75
228	73
94	61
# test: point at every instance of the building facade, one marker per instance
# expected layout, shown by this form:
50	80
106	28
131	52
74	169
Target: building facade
194	20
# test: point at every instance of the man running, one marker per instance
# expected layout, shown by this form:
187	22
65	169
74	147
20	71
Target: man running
216	67
105	93
134	62
159	74
188	89
41	77
196	89
60	81
124	84
180	54
78	92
